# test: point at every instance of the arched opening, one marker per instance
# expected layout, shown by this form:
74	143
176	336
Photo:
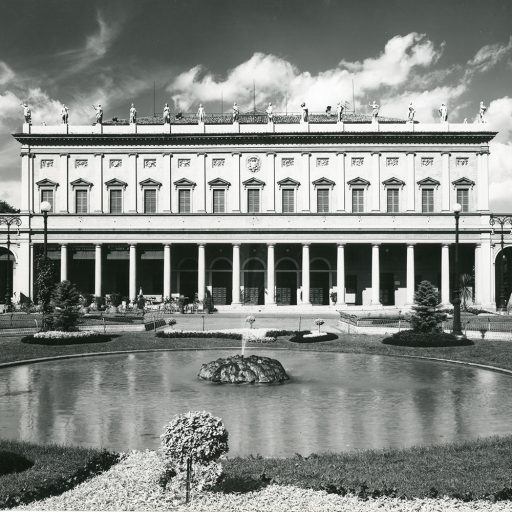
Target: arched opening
503	269
287	281
221	279
254	282
187	278
320	281
6	274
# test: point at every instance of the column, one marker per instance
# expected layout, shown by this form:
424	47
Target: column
486	271
235	295
63	262
133	273
23	269
201	192
445	274
482	180
410	183
270	298
305	274
167	271
375	182
478	274
201	270
25	182
375	275
340	275
306	163
131	190
238	184
341	186
166	183
97	271
32	271
445	182
96	193
271	162
63	195
31	183
409	300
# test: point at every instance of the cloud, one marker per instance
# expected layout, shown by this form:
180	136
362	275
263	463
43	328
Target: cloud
488	56
500	176
499	117
6	73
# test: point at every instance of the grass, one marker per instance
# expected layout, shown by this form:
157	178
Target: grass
54	470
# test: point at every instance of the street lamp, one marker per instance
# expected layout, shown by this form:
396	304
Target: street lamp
502	220
45	208
456	329
9	220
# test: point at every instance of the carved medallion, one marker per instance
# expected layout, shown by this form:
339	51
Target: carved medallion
253	163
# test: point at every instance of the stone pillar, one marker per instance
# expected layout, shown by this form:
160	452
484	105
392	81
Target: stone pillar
270	298
63	205
131	190
63	262
25	183
235	295
410	183
478	274
340	275
271	162
97	271
375	182
133	273
305	275
97	192
306	162
409	300
482	181
24	269
375	275
167	271
445	182
32	189
238	184
445	274
341	186
486	271
202	188
201	271
166	192
32	271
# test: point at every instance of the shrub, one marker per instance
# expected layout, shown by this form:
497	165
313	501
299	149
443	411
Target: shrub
141	302
425	339
298	337
45	278
13	463
426	318
199	334
65	302
86	299
154	324
171	322
99	301
115	299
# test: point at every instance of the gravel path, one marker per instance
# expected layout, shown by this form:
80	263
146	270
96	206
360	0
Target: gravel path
133	485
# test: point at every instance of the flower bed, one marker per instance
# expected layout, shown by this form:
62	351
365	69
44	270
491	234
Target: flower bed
65	338
315	337
425	339
263	335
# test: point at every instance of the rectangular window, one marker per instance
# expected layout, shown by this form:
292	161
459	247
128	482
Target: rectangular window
47	195
322	200
253	200
184	201
288	200
463	199
150	201
357	200
219	201
81	201
392	194
427	200
116	201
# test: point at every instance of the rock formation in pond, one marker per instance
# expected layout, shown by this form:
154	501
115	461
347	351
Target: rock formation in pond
238	369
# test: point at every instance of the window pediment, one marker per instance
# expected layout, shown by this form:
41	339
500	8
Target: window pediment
463	182
80	182
323	182
428	182
114	182
253	182
219	183
358	182
393	182
288	182
47	183
184	183
150	182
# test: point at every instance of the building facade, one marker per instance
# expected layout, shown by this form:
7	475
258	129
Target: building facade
283	212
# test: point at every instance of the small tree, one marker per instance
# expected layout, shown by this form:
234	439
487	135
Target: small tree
45	283
65	303
426	318
250	319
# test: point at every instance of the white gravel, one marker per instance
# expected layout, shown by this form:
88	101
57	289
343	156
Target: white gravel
133	485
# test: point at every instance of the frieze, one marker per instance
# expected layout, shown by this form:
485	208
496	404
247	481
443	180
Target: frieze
81	163
46	163
427	161
357	161
149	163
183	162
218	162
287	162
322	162
115	162
462	161
391	161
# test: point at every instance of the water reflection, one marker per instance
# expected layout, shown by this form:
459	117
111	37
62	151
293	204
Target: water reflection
334	402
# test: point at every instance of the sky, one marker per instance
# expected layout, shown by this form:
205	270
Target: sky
186	52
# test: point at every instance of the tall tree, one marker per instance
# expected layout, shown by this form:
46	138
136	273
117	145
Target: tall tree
426	316
5	207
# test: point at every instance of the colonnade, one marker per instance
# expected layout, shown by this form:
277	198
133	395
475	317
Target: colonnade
482	272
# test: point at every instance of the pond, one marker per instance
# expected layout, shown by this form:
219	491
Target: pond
333	402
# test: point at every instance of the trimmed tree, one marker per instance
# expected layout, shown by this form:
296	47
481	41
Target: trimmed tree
426	317
65	303
45	284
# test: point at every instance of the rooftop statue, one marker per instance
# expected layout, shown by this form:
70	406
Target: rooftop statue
270	113
411	113
375	110
481	113
167	114
133	115
236	113
443	113
339	111
27	113
305	113
64	114
200	113
99	113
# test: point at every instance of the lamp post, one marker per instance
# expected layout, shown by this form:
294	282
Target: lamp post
502	221
456	329
45	208
9	220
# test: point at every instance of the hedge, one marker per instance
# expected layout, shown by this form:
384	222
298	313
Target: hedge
420	339
98	338
325	336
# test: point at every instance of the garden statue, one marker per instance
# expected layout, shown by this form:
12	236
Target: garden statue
27	113
482	111
270	113
443	113
411	113
236	113
200	113
133	115
167	114
99	114
64	114
375	110
305	113
339	112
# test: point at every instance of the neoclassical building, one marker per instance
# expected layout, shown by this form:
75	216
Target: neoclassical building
273	213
